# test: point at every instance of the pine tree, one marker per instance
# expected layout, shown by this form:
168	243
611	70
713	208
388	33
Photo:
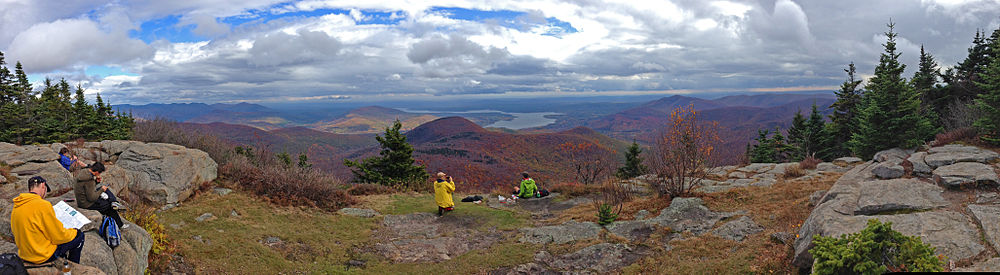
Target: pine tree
6	82
304	161
813	135
933	97
890	115
797	136
988	102
393	166
961	79
844	116
633	163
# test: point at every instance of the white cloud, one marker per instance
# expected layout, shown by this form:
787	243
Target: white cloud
74	42
206	25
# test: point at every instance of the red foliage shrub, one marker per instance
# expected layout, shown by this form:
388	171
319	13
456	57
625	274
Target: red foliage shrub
967	134
288	186
364	189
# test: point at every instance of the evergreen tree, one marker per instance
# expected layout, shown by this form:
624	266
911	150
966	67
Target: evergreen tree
797	136
393	166
304	161
813	136
6	82
22	87
962	78
890	115
768	150
633	163
925	80
844	117
988	102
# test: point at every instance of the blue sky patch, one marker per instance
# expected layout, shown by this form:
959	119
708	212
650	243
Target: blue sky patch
511	19
105	71
165	28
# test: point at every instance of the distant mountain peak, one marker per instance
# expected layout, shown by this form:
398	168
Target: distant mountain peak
442	127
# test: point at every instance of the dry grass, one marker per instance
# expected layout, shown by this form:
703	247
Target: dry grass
809	163
365	189
284	186
794	171
779	208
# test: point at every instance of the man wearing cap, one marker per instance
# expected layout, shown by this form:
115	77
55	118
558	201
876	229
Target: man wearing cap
39	236
443	187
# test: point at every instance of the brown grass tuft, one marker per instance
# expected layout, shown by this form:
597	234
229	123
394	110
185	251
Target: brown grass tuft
966	134
794	171
365	189
809	163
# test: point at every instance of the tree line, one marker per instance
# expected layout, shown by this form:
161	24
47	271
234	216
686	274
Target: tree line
54	113
892	111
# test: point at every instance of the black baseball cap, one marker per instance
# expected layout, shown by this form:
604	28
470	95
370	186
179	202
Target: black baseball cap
39	180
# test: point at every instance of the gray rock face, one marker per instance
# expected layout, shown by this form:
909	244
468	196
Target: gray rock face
691	215
641	214
815	198
565	233
845	161
830	167
599	258
988	217
782	237
15	155
169	173
955	175
738	229
920	167
888	170
951	233
412	225
892	155
632	230
55	175
358	212
898	194
955	153
756	168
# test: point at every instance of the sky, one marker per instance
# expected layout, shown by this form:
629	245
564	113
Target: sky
268	51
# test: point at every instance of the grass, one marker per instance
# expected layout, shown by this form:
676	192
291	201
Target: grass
314	241
320	242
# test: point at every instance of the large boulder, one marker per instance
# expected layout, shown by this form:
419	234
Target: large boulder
841	211
689	215
55	175
888	170
920	167
896	155
955	175
14	155
169	173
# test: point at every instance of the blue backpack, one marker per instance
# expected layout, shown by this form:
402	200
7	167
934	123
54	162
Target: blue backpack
109	231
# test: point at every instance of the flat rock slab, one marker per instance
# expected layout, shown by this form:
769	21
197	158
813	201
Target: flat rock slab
690	215
955	175
358	212
898	194
756	168
599	258
920	166
888	170
895	155
845	161
432	250
632	230
738	229
412	225
988	217
567	232
830	167
955	153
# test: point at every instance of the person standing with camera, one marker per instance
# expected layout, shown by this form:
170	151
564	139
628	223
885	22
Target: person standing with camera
444	186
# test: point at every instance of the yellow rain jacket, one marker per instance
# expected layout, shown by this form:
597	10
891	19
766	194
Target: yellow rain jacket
37	232
442	193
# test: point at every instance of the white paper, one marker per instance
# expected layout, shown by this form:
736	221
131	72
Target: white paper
69	217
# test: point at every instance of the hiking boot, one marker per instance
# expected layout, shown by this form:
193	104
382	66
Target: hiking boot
118	206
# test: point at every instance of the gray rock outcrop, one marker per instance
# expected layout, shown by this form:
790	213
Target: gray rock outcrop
738	229
955	175
898	194
565	233
955	153
988	217
358	212
689	215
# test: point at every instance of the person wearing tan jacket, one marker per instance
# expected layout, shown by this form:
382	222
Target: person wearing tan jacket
39	236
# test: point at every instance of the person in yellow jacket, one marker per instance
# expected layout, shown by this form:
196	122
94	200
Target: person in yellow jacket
39	236
443	187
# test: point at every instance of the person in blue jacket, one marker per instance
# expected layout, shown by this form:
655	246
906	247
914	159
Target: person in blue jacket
68	162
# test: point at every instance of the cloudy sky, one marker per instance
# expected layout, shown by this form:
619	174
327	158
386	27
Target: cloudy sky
328	50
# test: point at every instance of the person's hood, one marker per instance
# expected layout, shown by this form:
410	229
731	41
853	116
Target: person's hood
24	198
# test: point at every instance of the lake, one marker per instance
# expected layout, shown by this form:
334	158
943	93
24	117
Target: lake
520	121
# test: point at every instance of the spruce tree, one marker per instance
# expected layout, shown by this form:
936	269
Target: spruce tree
393	166
890	115
6	82
925	80
813	135
988	102
633	163
797	136
844	116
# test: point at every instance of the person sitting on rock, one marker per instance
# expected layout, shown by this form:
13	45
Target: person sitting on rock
443	187
69	162
527	188
90	196
39	236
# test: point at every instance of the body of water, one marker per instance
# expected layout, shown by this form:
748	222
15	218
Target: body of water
520	121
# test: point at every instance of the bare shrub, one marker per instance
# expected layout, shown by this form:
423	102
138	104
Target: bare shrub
288	186
809	163
590	164
611	200
165	131
960	114
681	153
572	189
794	171
968	134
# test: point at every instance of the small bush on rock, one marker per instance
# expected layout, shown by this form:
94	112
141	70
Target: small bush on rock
606	214
145	217
877	249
